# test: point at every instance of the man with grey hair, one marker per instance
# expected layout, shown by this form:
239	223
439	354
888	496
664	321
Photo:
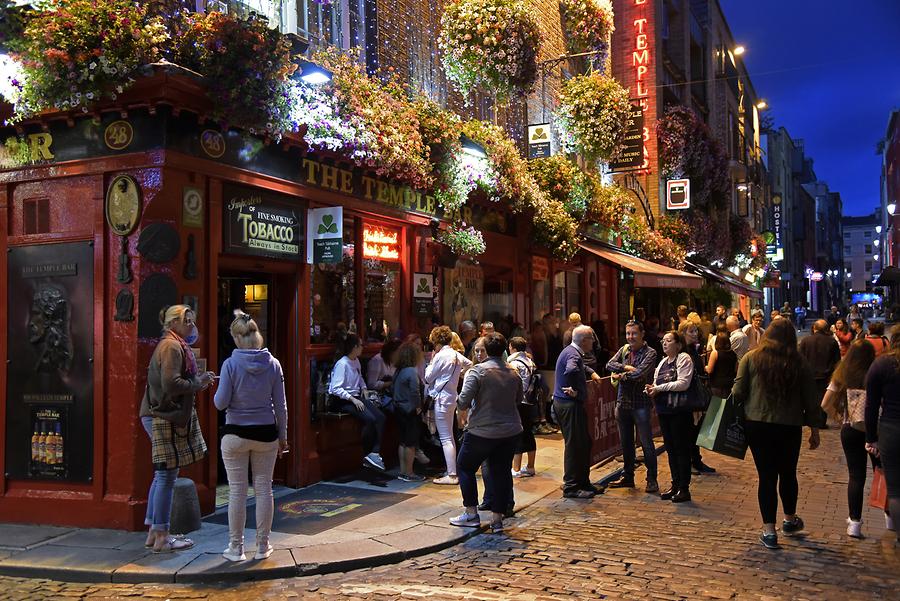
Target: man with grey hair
739	342
569	396
754	330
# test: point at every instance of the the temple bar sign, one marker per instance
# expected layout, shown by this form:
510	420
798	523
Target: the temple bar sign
678	194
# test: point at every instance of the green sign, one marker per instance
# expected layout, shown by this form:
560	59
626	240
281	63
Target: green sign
325	235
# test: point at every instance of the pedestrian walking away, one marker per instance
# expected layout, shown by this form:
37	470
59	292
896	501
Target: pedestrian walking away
569	395
407	397
168	404
845	402
491	393
775	386
251	392
527	370
669	392
822	354
883	421
632	368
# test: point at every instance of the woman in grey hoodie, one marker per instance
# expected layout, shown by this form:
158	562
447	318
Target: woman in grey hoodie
251	391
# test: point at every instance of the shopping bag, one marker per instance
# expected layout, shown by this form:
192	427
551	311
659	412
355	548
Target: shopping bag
722	430
878	495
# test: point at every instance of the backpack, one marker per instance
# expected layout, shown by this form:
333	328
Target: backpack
535	384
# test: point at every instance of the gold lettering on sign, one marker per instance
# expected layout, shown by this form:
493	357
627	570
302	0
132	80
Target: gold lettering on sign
40	146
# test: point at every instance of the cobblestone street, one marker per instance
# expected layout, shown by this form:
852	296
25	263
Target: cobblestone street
621	545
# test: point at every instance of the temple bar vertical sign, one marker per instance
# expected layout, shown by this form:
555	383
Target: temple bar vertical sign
632	154
50	371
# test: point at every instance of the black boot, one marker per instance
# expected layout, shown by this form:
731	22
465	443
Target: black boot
623	482
682	496
668	494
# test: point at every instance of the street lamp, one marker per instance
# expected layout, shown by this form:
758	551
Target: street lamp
762	105
312	74
877	229
875	257
738	50
891	208
876	241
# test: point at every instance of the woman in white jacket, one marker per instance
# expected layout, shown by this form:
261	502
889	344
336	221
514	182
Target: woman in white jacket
441	382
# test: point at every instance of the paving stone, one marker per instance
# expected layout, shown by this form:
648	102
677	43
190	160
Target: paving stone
212	567
22	536
75	564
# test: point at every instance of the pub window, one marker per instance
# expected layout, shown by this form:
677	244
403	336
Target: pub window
559	295
498	298
381	270
333	294
573	291
540	300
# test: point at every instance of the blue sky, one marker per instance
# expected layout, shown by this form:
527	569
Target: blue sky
831	74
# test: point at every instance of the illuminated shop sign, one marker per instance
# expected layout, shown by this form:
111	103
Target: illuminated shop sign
641	64
381	243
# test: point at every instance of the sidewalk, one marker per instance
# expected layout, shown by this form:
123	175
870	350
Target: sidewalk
416	525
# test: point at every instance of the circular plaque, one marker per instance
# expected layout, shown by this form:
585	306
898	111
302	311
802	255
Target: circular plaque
159	242
212	143
118	135
123	205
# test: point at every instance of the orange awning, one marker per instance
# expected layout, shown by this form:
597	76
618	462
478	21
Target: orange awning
646	273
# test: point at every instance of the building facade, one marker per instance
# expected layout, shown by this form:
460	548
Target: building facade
862	258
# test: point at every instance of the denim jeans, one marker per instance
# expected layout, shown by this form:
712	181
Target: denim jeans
627	419
372	420
241	455
498	452
162	490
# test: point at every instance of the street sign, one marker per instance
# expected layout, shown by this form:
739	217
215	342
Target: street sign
816	276
539	141
678	194
325	235
423	294
774	248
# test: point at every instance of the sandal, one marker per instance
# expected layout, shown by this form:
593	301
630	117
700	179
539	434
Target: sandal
173	544
174	536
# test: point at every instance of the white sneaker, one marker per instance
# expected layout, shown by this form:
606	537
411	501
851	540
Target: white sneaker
888	522
449	480
466	519
854	528
264	552
234	553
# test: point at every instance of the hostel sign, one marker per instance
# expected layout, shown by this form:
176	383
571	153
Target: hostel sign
260	223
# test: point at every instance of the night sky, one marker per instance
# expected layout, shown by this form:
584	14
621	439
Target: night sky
831	74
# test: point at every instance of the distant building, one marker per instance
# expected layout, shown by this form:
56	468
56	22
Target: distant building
861	254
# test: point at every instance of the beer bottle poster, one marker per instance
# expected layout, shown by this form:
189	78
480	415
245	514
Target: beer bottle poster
463	293
48	443
50	367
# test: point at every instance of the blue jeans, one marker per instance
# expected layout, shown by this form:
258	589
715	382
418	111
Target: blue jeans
159	499
627	420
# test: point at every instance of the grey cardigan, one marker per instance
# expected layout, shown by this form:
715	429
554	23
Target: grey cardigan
492	391
169	393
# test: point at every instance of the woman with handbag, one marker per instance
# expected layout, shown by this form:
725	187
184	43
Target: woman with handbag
883	421
441	382
722	366
170	419
251	392
845	400
775	387
407	395
690	331
669	392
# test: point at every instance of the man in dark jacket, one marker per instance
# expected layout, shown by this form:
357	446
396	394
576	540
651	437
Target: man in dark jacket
822	352
569	396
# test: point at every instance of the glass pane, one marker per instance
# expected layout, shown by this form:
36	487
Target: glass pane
540	300
333	297
498	298
573	292
559	295
381	305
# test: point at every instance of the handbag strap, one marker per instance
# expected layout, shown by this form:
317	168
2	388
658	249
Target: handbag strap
455	365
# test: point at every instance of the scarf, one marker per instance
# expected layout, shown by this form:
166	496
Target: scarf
190	361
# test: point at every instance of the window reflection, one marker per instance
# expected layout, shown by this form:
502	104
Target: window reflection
333	294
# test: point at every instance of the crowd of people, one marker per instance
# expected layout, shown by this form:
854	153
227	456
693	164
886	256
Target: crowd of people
483	398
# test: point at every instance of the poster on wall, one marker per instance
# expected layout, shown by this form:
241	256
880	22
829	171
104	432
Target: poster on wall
261	223
463	294
423	294
325	235
50	371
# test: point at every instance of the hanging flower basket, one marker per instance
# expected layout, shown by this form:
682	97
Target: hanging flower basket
462	240
592	116
490	44
588	26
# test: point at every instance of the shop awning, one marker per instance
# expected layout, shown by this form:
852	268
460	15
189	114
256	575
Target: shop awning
730	283
646	273
889	275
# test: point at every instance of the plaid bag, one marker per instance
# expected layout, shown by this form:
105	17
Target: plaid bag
177	447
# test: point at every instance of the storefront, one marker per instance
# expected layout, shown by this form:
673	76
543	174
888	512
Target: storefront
144	205
743	296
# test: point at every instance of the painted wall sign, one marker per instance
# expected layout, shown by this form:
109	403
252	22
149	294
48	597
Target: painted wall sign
423	294
540	268
463	293
382	243
325	235
118	135
50	383
123	205
678	194
632	154
261	223
539	141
